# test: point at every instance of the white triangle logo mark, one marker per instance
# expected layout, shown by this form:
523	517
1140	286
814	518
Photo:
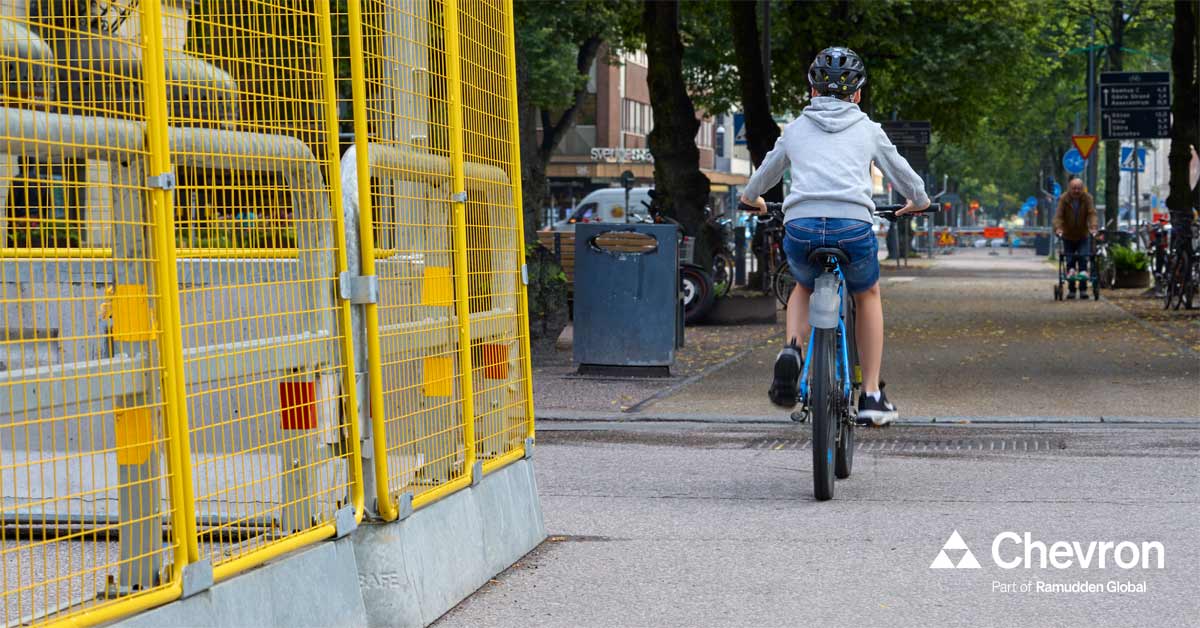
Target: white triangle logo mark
955	543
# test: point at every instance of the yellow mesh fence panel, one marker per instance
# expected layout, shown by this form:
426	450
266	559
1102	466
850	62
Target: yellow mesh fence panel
494	239
84	472
410	201
175	359
255	222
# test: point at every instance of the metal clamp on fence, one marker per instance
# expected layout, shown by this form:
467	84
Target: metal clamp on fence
358	289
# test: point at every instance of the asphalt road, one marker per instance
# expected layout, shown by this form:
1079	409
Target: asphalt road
661	524
1071	422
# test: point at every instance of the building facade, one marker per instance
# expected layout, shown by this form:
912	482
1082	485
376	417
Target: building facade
610	137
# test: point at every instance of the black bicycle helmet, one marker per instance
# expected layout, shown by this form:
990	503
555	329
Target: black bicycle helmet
837	71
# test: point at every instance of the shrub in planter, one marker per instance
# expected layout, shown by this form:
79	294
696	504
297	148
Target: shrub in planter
547	289
1131	267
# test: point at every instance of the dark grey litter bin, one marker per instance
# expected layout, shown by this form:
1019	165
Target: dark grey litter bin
627	307
1041	245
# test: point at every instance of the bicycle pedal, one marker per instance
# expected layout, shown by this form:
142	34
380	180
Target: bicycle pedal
800	416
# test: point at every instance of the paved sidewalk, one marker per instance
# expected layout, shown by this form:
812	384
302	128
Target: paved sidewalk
980	336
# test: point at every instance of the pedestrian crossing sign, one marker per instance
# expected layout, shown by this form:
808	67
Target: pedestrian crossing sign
1133	160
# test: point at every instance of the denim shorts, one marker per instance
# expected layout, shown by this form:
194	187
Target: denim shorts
855	237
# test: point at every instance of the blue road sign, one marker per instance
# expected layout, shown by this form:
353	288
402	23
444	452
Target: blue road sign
1057	190
739	129
1129	163
1073	161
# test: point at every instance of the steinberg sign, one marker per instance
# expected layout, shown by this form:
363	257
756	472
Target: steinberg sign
1010	551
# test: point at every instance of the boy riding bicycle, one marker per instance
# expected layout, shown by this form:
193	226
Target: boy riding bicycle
830	148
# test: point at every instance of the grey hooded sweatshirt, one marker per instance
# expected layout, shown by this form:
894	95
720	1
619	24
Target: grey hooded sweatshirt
830	148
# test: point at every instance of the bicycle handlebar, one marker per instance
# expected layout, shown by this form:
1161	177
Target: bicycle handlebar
887	212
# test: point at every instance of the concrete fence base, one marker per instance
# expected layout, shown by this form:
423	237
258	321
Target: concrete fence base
405	573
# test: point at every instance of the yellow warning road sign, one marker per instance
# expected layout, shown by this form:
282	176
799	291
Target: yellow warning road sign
1085	144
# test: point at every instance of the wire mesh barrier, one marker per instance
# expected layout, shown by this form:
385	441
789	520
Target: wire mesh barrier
202	316
91	503
494	242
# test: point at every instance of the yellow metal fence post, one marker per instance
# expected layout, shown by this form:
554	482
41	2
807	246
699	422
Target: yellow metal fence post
339	235
385	505
461	290
159	165
519	202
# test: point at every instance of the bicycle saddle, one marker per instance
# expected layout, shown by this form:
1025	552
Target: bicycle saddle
821	255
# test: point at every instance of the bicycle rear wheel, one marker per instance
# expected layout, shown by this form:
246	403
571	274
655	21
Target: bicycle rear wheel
823	398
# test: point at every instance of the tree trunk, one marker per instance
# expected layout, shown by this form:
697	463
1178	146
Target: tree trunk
1185	130
534	188
761	130
535	154
1112	148
681	187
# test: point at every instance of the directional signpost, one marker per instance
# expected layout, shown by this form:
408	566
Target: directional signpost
1135	105
911	138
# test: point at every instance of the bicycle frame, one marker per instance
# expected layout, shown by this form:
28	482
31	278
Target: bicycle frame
843	352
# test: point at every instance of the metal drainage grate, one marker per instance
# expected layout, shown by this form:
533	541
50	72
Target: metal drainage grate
1002	445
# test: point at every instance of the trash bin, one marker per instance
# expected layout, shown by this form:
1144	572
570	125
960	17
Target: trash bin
627	305
1041	245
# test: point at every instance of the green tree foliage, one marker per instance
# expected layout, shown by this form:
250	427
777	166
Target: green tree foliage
557	42
995	77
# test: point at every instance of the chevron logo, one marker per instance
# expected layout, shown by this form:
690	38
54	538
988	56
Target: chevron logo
955	544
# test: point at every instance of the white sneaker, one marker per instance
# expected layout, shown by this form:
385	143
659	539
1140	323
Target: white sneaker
877	413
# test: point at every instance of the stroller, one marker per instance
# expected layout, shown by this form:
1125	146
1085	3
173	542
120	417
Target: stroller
1092	276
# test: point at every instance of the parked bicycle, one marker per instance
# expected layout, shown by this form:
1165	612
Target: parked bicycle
1181	280
697	286
777	276
831	378
1106	270
1158	237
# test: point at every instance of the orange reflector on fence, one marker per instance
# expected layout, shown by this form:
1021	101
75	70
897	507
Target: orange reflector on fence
298	405
494	360
993	232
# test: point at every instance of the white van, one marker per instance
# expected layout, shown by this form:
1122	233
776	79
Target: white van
608	205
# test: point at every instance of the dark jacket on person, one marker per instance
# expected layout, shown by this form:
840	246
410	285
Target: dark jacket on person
1075	217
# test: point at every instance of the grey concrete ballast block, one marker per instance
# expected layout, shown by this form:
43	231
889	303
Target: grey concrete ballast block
315	586
405	573
414	570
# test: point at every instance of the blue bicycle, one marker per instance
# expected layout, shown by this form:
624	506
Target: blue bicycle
831	378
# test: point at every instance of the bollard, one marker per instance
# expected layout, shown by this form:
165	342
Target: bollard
139	461
136	420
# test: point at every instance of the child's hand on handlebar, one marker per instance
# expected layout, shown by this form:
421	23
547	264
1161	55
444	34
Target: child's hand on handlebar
758	203
910	207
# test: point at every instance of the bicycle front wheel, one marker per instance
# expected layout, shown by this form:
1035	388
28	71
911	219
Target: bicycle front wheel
823	395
